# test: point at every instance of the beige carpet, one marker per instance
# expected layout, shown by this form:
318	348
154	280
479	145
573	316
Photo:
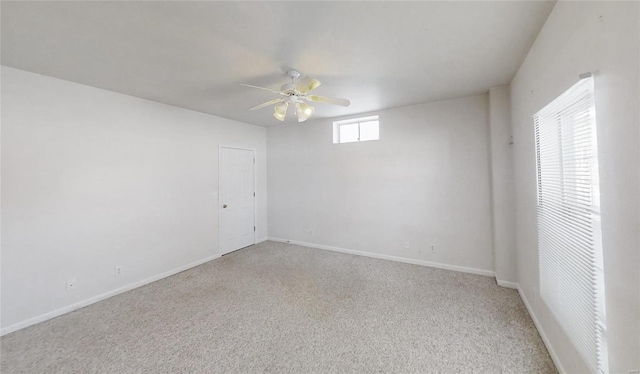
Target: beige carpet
281	308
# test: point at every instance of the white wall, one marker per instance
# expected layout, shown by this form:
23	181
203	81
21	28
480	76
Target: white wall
602	37
92	179
425	181
502	186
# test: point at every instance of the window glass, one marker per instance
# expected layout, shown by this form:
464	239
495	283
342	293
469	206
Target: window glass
349	133
369	131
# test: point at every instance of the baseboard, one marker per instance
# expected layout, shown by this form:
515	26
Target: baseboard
389	257
262	240
507	284
106	295
545	340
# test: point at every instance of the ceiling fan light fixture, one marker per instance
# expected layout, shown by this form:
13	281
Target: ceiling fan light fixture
303	111
279	116
282	107
280	111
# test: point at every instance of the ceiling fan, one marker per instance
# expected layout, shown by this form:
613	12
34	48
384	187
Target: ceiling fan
296	94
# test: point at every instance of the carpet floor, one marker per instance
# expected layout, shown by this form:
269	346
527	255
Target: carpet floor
281	308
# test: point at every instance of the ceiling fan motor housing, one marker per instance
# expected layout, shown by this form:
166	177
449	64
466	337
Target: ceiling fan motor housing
288	87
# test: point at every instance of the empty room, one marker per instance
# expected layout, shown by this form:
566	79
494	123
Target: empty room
320	187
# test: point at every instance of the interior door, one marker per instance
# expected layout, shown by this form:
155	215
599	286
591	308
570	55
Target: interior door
237	196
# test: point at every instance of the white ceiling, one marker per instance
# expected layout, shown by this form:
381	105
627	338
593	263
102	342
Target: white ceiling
196	54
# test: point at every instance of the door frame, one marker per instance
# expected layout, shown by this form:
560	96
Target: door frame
255	197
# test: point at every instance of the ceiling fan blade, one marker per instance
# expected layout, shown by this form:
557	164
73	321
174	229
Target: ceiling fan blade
264	105
328	100
262	88
307	84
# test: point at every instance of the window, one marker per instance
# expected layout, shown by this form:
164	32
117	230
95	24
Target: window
356	130
569	235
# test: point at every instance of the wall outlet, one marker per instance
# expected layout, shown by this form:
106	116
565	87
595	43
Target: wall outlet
433	248
117	271
406	244
71	284
535	294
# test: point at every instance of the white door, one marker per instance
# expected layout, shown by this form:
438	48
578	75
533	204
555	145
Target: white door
237	195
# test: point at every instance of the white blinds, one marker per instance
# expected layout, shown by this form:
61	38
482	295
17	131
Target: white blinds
569	237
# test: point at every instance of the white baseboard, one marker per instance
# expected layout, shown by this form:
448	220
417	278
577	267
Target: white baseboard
95	299
507	284
262	240
545	340
390	258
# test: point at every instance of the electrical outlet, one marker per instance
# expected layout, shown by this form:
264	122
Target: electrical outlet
535	294
117	271
433	248
406	244
71	284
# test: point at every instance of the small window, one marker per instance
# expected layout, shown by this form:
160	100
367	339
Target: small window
356	130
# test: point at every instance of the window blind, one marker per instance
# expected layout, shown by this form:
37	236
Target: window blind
569	234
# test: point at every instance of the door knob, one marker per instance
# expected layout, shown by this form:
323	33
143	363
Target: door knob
224	206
